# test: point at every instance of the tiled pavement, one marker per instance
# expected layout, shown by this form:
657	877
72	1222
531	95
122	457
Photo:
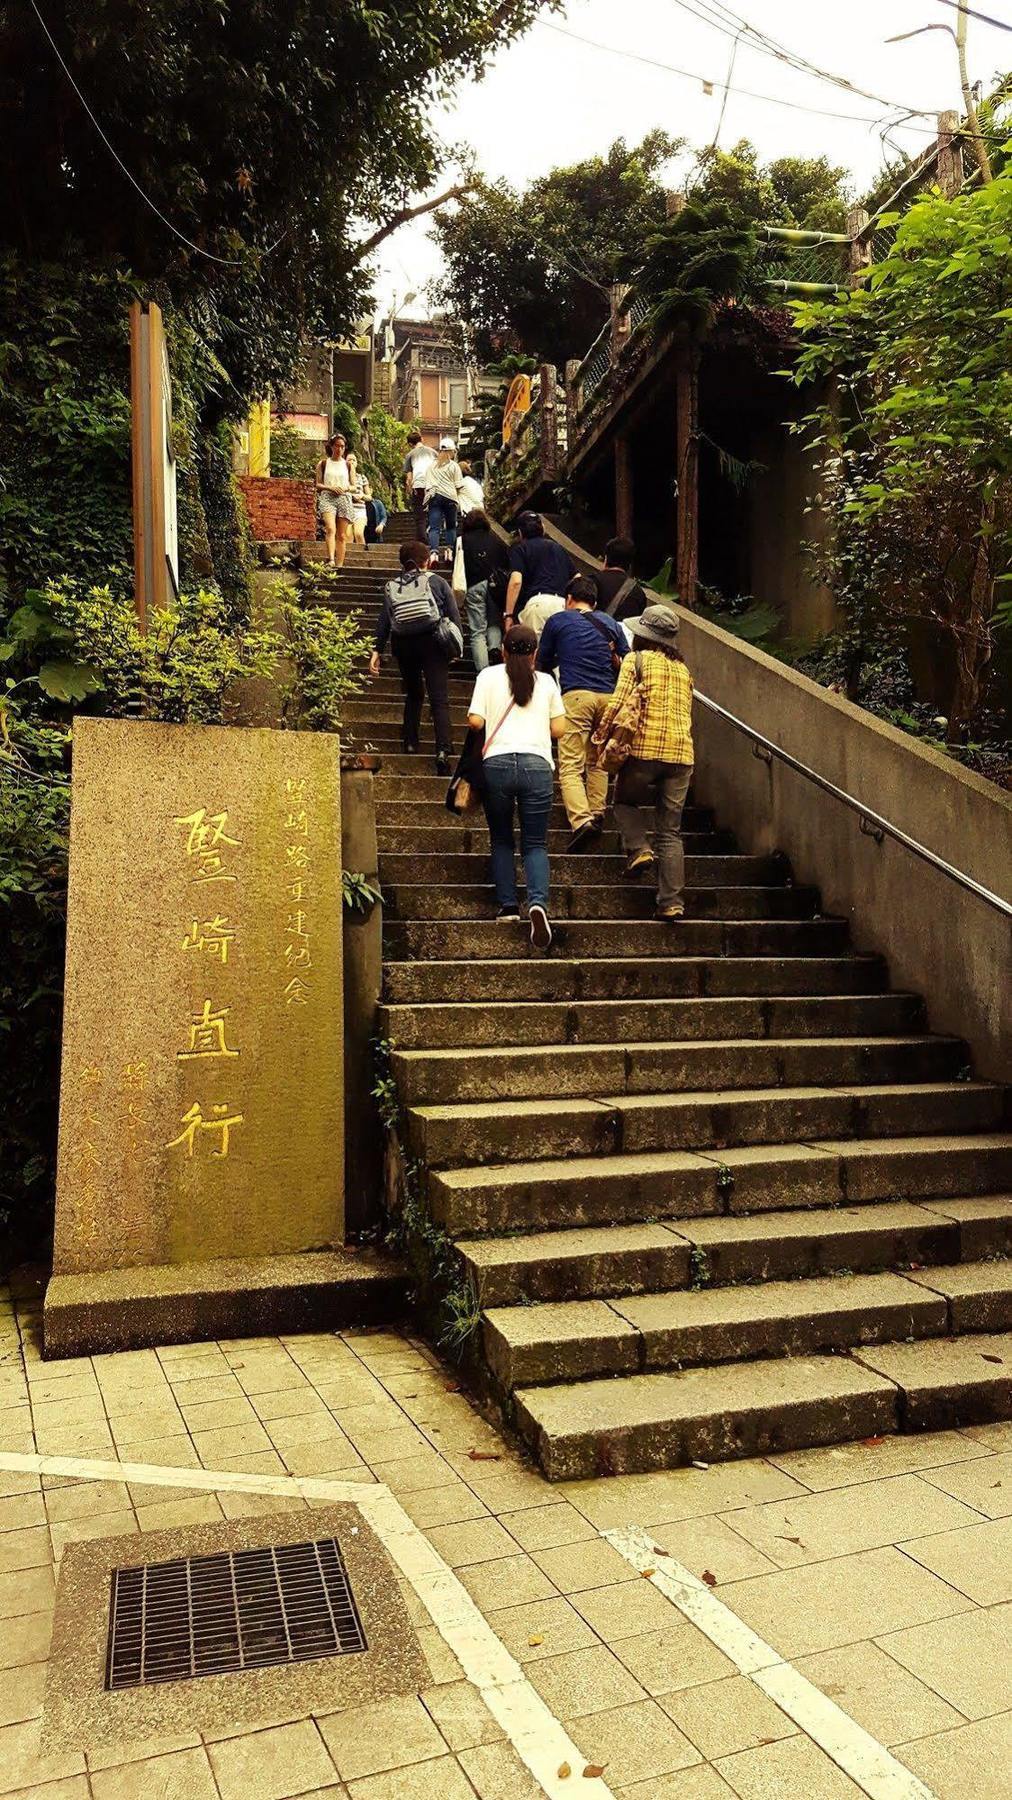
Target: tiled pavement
881	1571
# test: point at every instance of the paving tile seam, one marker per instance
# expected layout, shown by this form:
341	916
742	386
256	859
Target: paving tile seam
872	1767
537	1736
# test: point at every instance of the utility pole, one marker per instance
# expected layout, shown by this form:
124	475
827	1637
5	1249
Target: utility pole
979	146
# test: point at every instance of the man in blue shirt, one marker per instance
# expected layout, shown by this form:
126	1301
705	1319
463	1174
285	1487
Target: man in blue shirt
586	647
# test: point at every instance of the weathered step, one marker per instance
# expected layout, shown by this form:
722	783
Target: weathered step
518	1130
528	1345
540	1072
600	1262
619	1021
394	812
620	978
426	840
420	900
674	1184
422	786
459	869
484	939
946	1382
629	1423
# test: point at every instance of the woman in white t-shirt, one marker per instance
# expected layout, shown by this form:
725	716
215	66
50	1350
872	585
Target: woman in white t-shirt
333	500
521	711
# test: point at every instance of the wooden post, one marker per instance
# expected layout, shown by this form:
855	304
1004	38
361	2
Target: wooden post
574	399
687	472
153	465
859	257
547	426
623	487
950	155
617	292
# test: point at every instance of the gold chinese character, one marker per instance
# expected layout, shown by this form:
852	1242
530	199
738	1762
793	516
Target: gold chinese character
207	1035
212	935
297	855
135	1076
207	831
297	992
92	1074
294	890
298	821
292	786
296	926
194	1121
297	956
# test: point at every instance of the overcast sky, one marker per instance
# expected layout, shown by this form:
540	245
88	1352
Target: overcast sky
549	100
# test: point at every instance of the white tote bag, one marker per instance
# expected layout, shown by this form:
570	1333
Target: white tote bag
458	579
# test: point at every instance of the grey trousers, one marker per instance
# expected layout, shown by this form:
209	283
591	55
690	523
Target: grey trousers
660	787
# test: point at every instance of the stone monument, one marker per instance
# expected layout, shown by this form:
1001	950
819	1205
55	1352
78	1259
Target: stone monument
200	1180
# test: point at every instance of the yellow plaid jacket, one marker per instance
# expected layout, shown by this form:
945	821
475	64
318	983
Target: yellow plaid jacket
666	732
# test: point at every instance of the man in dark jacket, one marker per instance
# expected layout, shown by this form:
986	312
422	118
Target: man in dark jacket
586	647
539	571
413	605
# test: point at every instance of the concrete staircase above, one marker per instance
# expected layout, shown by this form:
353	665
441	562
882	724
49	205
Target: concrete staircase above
714	1188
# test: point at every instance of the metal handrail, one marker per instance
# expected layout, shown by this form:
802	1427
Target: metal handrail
872	823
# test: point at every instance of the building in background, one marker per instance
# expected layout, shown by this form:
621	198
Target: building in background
428	378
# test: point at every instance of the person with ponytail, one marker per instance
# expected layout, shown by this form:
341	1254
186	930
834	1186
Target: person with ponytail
521	711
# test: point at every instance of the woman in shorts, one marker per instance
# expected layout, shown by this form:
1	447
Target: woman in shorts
333	500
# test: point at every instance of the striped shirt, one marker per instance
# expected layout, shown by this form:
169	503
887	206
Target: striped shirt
666	732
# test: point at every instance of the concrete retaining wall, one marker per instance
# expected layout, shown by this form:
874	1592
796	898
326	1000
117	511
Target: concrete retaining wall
941	941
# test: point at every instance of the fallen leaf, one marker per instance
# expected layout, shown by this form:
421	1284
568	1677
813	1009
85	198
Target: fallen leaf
986	1358
700	1465
564	1771
484	1455
784	1539
657	1551
709	1577
451	1387
872	1443
593	1770
646	1573
538	1638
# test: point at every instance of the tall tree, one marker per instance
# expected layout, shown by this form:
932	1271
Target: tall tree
791	190
528	270
277	139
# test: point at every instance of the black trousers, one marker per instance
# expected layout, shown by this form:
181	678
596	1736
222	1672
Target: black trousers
420	511
424	669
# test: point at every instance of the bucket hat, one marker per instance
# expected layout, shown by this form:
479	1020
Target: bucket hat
658	625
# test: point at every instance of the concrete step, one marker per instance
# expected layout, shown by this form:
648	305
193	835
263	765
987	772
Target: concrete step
654	1421
398	809
526	1346
629	977
635	1186
526	1023
440	840
628	900
547	1072
412	783
461	870
507	1130
601	1262
484	939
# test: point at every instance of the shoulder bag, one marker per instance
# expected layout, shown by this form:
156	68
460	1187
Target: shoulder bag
613	747
464	792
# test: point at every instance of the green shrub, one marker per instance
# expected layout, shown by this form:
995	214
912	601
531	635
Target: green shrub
292	458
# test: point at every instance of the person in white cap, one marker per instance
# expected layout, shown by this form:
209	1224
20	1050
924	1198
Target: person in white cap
442	494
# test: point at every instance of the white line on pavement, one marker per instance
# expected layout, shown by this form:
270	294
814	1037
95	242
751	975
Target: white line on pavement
868	1763
540	1741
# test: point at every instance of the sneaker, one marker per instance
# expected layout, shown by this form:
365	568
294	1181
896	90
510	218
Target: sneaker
443	763
410	749
640	860
506	914
541	931
583	835
675	911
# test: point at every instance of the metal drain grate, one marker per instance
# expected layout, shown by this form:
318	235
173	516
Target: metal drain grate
241	1609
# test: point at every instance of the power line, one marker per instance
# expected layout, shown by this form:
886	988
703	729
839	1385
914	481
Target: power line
706	81
722	18
228	262
985	18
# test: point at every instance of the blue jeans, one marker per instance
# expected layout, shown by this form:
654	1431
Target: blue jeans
485	630
525	782
442	512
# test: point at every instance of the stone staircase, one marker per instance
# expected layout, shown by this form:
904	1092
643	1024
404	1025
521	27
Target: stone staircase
715	1188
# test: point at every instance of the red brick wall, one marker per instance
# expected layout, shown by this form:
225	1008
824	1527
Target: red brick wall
279	509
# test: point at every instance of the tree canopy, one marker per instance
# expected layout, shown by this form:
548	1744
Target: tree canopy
528	269
275	138
918	459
